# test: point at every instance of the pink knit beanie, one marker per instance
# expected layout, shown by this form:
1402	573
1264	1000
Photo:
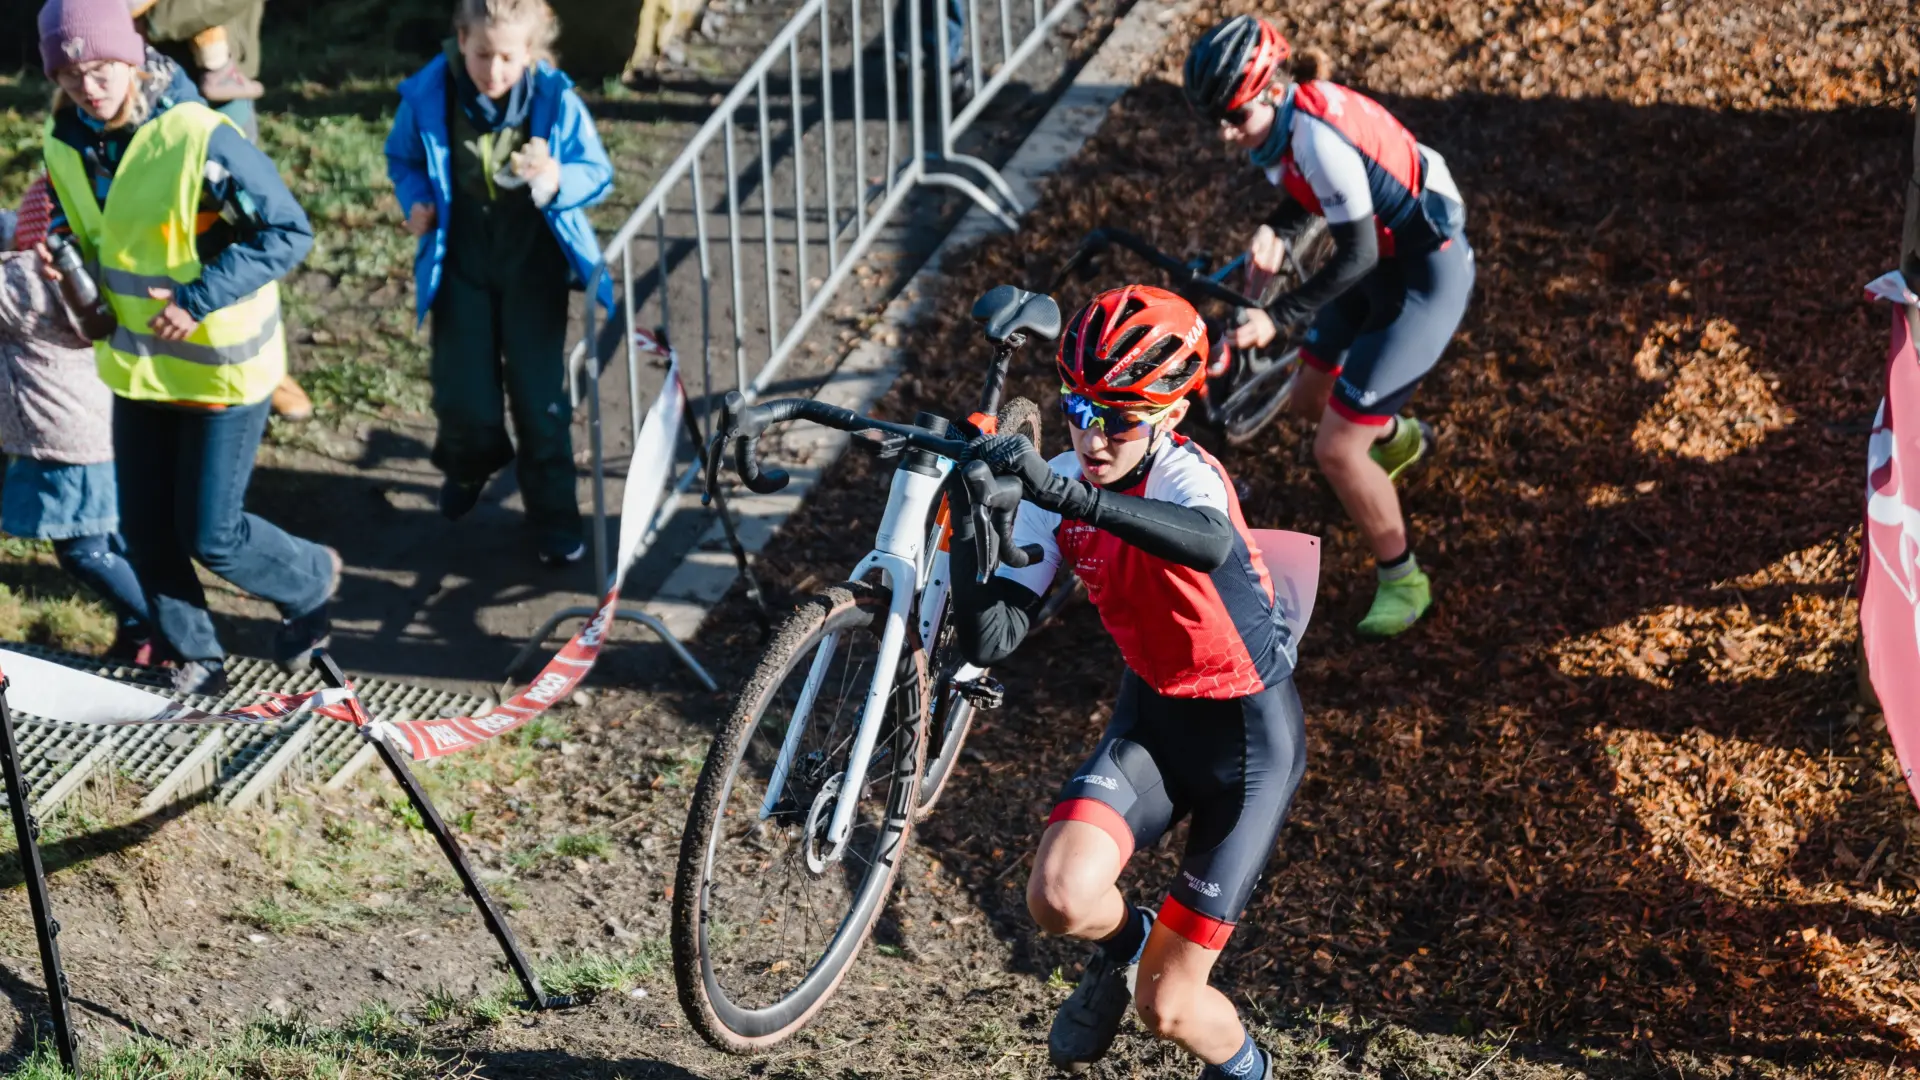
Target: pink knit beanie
79	31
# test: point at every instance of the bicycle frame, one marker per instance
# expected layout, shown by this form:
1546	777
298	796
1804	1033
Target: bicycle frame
914	566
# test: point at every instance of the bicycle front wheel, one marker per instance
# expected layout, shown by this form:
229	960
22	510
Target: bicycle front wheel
768	911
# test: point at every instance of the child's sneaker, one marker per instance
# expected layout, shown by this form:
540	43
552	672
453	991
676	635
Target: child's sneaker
229	84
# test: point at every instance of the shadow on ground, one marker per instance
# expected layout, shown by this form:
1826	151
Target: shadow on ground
1638	524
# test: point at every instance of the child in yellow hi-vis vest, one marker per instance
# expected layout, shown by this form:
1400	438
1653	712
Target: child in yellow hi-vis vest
190	227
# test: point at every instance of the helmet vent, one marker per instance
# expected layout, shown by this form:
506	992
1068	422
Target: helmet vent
1150	361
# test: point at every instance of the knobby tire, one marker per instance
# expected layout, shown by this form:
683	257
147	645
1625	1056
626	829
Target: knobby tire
849	606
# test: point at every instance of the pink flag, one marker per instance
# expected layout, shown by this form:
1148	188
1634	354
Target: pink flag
1890	574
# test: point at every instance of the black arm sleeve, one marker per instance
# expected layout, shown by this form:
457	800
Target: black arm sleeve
1356	252
1288	218
992	619
1196	537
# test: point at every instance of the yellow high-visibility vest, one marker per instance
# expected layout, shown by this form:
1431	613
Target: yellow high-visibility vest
144	239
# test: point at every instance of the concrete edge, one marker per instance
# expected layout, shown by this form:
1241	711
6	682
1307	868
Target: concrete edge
707	573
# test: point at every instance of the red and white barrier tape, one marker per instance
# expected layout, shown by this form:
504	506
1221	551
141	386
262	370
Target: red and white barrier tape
64	694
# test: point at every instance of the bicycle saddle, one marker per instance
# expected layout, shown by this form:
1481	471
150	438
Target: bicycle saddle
1008	311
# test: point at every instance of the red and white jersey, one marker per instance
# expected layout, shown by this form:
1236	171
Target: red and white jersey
1186	632
1348	159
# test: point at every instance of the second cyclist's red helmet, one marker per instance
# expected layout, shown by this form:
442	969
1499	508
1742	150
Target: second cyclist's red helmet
1134	347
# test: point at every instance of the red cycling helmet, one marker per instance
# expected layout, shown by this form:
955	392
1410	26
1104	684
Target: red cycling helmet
1134	347
1232	64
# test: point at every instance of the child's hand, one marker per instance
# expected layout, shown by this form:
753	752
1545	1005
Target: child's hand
47	269
422	219
536	164
173	323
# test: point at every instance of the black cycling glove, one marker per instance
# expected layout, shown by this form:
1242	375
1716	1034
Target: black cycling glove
1200	538
1013	455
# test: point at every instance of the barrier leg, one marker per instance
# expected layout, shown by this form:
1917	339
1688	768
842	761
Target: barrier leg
972	191
396	763
733	535
632	615
26	833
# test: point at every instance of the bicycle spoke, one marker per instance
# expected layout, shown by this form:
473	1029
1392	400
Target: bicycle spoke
770	917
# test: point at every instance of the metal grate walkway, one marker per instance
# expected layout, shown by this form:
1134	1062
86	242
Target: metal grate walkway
242	763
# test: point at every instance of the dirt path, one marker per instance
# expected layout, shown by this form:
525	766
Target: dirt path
332	910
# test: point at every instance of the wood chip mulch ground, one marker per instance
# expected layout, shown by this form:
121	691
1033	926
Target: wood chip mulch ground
1614	791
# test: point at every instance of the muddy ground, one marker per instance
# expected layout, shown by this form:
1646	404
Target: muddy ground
1610	810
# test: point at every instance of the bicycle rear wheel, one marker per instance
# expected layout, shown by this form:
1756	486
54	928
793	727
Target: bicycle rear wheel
766	920
953	713
1266	389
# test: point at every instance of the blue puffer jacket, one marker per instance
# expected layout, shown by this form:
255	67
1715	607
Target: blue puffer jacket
421	165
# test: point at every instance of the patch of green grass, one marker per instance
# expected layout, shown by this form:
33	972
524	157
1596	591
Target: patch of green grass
274	915
585	845
347	386
602	973
438	1005
52	610
575	974
337	872
676	768
408	814
263	1050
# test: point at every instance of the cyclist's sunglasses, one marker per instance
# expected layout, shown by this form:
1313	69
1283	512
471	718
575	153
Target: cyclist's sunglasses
1237	117
1117	424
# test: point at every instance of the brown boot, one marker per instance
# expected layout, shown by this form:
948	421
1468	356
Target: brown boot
229	84
291	403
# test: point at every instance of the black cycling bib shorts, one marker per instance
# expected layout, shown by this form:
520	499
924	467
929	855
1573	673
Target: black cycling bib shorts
1233	764
1385	334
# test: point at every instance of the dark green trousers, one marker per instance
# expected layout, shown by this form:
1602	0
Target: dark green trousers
500	351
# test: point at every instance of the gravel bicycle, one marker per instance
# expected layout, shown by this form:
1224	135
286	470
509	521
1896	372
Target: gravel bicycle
1247	388
813	783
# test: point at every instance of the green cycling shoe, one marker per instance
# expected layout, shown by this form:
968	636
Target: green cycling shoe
1409	443
1397	605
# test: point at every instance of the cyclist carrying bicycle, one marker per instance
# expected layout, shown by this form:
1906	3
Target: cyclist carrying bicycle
1207	722
1382	309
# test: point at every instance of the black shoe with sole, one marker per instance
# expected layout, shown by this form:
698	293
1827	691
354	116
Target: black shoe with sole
459	497
558	551
299	638
208	677
1084	1028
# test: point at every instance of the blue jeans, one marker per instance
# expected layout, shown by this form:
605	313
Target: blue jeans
183	487
100	563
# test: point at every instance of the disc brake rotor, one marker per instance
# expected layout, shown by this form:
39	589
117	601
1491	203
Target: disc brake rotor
818	819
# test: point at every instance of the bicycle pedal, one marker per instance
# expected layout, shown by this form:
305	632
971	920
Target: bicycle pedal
982	693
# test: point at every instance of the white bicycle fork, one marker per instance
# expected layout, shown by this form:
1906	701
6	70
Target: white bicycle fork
897	554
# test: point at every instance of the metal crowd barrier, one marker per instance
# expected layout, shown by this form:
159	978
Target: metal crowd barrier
747	236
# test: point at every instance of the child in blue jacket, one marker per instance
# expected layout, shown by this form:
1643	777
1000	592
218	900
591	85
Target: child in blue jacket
494	159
